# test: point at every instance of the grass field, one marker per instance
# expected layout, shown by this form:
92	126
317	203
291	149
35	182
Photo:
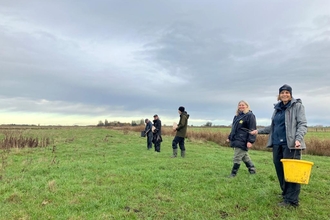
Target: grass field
97	173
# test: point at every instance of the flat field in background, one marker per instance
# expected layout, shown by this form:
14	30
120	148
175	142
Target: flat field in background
100	173
312	131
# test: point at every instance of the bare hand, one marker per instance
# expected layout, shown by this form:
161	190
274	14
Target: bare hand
254	132
227	140
297	144
249	145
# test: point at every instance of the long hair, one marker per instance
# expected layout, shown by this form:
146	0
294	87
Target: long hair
247	108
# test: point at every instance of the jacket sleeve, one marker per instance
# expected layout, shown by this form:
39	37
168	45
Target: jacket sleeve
157	126
182	122
301	123
148	126
252	126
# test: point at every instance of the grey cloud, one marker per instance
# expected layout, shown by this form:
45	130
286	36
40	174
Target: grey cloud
143	57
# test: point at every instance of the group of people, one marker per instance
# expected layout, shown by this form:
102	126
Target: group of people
154	135
153	132
286	138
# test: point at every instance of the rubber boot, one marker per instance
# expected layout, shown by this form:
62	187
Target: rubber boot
235	169
250	166
183	153
175	153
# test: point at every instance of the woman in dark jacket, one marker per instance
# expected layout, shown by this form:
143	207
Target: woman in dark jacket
240	138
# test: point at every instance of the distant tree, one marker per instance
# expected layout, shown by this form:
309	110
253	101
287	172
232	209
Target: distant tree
208	124
106	123
100	123
137	122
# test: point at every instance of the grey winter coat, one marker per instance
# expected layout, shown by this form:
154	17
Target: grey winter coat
295	125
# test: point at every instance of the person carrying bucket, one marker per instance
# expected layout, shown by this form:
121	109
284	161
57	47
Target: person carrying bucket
286	137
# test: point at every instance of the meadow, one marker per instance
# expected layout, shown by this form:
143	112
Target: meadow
101	173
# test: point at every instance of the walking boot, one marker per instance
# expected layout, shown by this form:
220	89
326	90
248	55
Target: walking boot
234	169
175	153
250	166
183	153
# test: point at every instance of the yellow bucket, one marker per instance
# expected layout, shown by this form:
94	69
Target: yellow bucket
297	171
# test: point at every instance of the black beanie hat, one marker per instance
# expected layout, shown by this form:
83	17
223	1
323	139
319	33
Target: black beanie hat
181	109
285	87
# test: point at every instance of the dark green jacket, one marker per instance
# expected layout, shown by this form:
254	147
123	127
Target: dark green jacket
181	130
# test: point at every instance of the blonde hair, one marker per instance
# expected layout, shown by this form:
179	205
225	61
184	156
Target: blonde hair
247	107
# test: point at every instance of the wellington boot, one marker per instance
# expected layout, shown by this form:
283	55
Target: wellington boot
183	153
175	153
234	169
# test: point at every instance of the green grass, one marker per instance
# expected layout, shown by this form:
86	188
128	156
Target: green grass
96	173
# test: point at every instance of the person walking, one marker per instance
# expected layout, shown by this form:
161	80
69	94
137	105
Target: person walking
181	131
286	137
148	132
157	133
240	138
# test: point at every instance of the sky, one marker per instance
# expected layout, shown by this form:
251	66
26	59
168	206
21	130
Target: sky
79	62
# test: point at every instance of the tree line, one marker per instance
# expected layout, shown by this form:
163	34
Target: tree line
118	123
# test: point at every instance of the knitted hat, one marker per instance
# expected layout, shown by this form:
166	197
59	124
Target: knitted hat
285	87
181	109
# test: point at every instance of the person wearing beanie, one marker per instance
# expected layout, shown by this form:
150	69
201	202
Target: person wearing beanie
285	87
181	131
240	139
157	133
286	138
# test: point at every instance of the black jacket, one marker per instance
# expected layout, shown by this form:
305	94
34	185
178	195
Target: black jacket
158	126
157	132
239	135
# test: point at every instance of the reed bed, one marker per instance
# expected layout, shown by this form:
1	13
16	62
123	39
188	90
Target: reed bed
315	145
16	139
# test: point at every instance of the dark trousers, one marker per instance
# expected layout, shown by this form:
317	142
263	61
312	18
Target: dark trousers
157	146
178	140
149	140
290	191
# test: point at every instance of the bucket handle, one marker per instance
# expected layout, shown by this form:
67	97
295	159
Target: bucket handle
294	154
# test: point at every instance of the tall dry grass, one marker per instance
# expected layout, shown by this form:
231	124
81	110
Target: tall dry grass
15	139
315	146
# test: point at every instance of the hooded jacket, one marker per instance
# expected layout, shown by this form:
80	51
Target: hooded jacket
239	135
181	130
295	124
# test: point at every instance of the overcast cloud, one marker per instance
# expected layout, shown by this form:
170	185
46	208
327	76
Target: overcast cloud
80	61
